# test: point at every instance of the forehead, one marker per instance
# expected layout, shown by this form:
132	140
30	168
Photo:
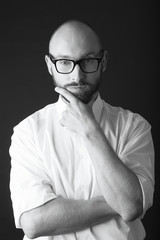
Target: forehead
74	41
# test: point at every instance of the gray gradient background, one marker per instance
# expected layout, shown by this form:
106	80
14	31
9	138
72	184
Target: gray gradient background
129	30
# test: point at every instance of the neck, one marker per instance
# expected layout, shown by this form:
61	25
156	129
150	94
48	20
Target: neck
93	99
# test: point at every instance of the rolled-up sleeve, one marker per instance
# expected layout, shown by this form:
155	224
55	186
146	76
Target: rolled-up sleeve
30	184
138	155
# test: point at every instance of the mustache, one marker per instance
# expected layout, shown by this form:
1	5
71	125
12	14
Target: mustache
73	84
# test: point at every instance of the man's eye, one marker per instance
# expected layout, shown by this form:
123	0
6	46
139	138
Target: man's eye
88	61
64	62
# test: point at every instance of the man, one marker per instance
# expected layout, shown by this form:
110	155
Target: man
81	169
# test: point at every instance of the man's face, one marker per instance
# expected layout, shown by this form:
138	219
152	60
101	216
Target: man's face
76	47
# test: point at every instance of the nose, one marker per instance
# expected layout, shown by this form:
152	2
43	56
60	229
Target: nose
77	74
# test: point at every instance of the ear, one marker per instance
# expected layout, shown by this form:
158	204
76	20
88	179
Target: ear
49	64
104	60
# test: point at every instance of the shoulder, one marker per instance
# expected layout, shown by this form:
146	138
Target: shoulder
124	117
37	119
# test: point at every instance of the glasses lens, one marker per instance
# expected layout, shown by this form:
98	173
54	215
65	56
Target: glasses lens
89	65
64	66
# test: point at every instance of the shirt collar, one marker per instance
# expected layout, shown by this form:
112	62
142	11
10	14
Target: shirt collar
96	107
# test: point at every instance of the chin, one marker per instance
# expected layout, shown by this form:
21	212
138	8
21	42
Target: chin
83	92
85	98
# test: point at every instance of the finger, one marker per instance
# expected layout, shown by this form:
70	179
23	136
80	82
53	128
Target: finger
64	99
66	95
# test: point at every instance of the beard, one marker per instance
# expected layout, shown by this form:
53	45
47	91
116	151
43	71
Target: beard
81	90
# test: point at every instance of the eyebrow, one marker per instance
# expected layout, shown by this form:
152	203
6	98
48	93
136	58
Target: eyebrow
63	56
90	53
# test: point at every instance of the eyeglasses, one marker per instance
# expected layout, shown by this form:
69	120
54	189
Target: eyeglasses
65	66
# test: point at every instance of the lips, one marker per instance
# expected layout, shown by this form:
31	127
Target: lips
75	88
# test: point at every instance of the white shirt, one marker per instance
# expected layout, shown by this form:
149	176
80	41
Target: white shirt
48	161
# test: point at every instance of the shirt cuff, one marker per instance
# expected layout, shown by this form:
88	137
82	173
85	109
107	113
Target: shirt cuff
147	193
30	201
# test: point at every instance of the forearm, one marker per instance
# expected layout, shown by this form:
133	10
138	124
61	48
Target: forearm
119	185
61	216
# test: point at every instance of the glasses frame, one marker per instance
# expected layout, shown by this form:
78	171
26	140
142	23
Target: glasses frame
54	61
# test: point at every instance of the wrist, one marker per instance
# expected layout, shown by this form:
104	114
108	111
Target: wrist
93	131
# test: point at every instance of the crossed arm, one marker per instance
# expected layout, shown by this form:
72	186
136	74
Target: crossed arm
120	187
62	216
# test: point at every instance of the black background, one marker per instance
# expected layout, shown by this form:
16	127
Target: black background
129	30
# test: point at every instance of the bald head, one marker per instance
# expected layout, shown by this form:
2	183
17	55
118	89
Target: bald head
74	37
